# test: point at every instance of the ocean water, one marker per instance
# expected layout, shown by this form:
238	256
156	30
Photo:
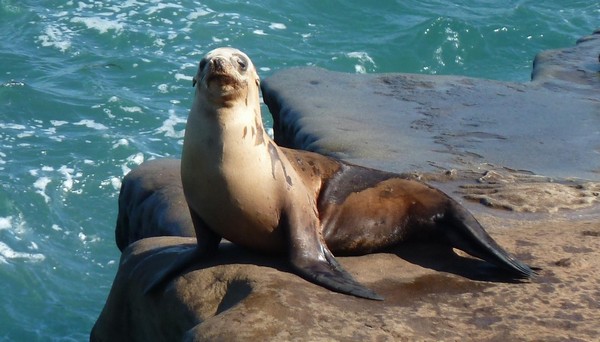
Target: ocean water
91	89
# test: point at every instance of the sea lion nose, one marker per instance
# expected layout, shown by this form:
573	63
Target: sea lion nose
218	63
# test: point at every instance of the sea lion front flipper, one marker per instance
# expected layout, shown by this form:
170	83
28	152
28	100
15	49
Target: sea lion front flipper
311	258
208	243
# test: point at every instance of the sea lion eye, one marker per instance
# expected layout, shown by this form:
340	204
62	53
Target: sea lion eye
243	64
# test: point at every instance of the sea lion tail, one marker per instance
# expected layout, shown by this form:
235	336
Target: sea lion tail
465	233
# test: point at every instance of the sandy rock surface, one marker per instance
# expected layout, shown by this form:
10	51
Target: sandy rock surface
430	294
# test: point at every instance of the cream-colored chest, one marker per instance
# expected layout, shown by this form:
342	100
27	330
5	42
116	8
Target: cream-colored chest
230	178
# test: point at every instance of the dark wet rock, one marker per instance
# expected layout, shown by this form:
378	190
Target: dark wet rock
151	203
574	69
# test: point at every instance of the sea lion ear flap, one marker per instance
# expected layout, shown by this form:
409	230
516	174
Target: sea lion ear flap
194	81
257	81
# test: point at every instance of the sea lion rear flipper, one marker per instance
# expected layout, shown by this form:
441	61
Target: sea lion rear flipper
311	258
465	233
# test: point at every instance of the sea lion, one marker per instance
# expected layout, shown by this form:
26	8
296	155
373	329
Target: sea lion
241	186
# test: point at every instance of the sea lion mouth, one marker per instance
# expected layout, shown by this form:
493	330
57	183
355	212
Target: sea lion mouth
220	71
222	85
221	77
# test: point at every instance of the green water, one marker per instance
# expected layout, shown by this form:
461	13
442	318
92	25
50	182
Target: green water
88	90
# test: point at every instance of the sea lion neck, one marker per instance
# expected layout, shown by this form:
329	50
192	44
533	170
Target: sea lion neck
224	110
237	96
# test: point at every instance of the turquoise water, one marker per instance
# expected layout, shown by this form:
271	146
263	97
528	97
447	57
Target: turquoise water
89	90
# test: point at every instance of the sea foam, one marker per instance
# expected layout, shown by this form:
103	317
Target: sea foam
99	24
7	253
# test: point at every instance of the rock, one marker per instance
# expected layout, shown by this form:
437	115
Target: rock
407	122
151	203
573	69
430	294
529	148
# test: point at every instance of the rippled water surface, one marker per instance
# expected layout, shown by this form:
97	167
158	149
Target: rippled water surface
90	89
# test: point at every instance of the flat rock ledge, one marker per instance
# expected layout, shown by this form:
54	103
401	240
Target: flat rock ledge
532	164
409	122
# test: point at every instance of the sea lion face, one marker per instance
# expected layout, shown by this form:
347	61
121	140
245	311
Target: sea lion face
225	74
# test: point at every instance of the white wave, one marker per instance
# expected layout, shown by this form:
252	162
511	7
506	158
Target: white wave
67	172
277	26
160	7
108	113
168	126
121	142
56	36
188	65
41	184
363	58
198	13
16	226
58	123
137	158
86	239
163	88
359	69
50	130
115	182
99	24
12	126
5	222
8	253
179	77
132	109
90	124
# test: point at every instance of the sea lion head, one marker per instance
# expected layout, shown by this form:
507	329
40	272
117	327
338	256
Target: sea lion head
226	74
